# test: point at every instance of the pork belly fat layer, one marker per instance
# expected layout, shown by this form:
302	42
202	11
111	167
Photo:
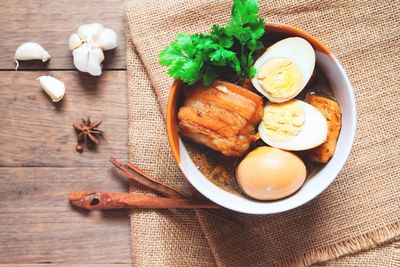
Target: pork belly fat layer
223	116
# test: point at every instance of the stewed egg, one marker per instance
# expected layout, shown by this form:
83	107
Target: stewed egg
293	125
268	173
284	69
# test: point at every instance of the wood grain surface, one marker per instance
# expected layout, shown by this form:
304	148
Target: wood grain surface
37	132
38	161
63	265
50	23
39	225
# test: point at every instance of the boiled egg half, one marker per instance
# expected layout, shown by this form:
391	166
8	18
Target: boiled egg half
268	173
293	125
284	69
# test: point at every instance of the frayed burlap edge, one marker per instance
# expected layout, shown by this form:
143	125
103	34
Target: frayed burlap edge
369	240
355	244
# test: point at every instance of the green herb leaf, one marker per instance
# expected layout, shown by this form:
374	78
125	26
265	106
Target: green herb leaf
224	50
247	28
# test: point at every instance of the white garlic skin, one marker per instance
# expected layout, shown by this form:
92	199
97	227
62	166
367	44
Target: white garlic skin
30	51
74	41
53	87
90	32
88	44
81	57
108	40
96	56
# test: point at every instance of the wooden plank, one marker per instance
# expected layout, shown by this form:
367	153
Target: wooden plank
50	23
36	132
39	226
65	265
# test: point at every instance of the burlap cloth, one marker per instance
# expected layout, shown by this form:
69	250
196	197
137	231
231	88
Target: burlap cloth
359	211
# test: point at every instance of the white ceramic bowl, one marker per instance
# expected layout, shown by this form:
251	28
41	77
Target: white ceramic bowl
314	186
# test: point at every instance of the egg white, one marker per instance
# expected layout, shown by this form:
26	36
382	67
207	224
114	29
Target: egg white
297	50
314	131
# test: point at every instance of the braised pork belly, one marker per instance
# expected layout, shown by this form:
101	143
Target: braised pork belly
222	116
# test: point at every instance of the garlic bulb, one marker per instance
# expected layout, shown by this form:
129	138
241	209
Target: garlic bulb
30	51
53	87
88	44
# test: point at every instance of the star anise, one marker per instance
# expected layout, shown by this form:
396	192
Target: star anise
88	132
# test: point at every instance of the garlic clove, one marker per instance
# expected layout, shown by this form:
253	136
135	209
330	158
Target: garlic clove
90	32
30	51
96	56
53	87
81	57
74	41
87	47
108	39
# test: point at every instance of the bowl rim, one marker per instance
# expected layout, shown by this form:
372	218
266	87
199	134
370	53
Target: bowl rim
174	139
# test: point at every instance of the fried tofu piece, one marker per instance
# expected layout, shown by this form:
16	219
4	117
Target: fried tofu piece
222	116
331	110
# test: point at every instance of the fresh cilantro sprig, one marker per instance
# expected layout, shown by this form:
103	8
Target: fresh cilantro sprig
225	52
246	28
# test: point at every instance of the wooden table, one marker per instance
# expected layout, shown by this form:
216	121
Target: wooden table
38	161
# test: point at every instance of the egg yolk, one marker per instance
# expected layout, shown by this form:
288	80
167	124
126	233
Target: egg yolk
283	121
280	77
